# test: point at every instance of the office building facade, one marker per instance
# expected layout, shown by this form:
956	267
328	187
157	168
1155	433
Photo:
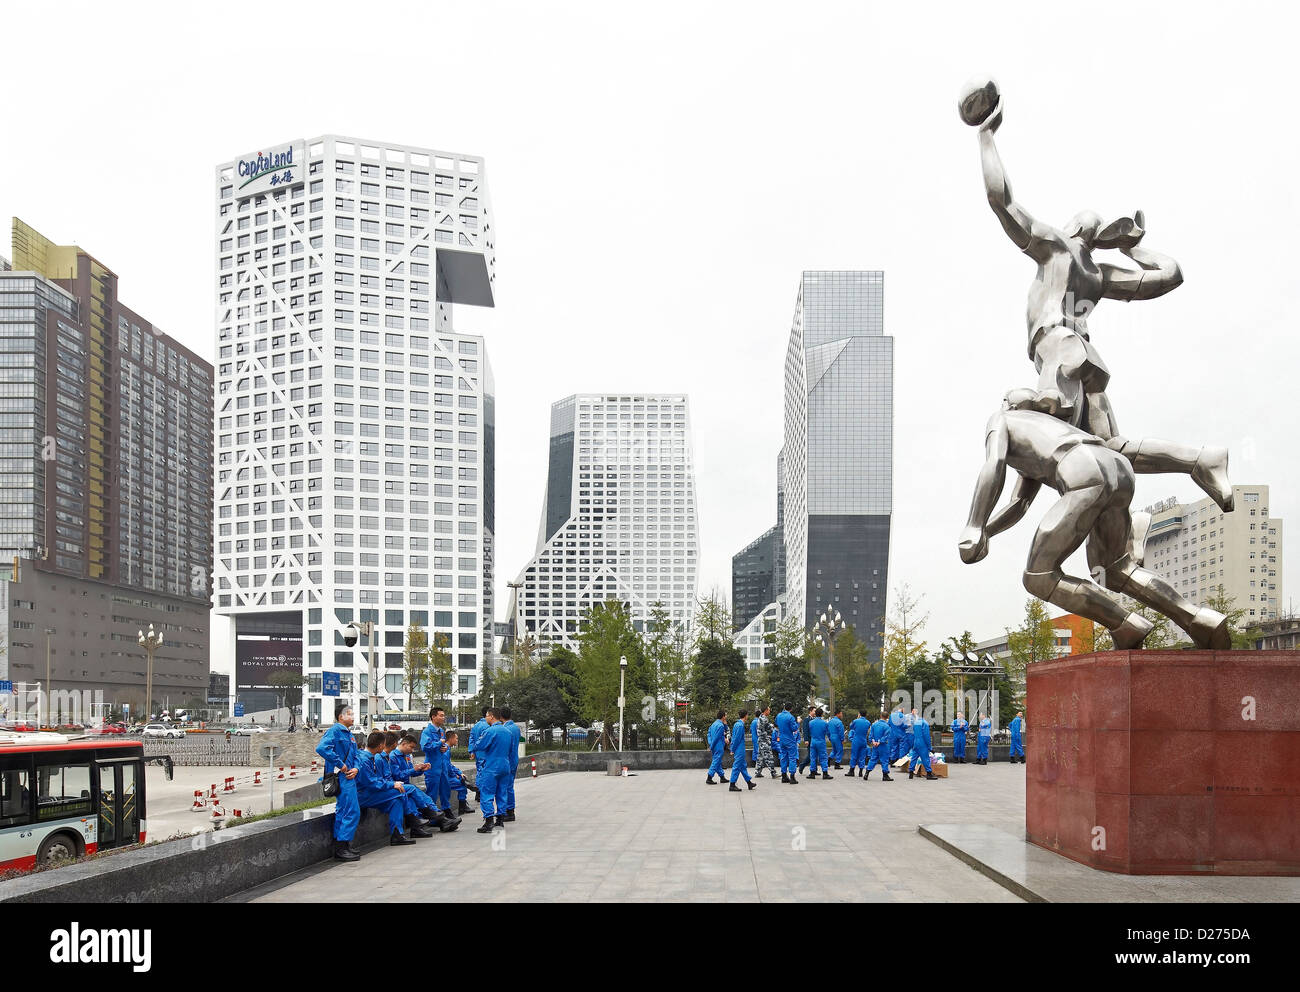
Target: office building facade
105	484
836	479
1198	548
753	578
619	516
355	426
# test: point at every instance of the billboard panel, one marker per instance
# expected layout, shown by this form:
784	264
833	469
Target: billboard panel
257	659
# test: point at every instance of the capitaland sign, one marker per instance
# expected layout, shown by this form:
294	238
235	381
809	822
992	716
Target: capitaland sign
261	170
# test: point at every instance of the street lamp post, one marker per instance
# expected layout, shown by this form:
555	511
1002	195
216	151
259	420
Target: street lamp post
828	627
150	642
49	694
622	672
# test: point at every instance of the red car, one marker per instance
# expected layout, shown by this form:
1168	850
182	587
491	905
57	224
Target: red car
113	728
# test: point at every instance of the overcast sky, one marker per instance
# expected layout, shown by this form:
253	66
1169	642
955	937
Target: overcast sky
660	178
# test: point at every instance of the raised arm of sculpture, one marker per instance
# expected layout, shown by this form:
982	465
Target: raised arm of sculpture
1029	234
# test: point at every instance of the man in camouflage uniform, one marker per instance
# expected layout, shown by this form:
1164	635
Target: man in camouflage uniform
763	757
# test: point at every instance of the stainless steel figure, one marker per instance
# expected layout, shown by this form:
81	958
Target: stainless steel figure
1096	486
1066	289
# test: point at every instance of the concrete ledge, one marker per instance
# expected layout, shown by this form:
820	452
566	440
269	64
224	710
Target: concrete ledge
993	853
203	868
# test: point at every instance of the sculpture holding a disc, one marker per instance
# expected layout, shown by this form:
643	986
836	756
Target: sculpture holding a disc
1064	434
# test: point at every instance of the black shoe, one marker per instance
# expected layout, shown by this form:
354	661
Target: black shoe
813	773
866	775
886	778
785	778
910	773
499	823
734	788
399	839
465	807
794	779
752	785
487	826
342	852
509	817
826	776
710	781
930	776
417	828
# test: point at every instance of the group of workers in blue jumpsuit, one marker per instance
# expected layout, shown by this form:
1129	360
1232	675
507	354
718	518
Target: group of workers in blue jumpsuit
883	742
379	776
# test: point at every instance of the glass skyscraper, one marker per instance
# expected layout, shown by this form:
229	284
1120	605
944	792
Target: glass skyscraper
837	463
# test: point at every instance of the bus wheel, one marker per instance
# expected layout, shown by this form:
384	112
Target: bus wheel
57	847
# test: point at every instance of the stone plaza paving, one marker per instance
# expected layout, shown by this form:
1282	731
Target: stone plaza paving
666	836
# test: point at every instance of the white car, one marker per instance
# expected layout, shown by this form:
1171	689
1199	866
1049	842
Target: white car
162	730
248	731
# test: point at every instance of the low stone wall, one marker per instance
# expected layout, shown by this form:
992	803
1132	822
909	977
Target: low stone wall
203	868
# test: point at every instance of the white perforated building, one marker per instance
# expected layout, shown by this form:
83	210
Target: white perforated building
354	425
619	519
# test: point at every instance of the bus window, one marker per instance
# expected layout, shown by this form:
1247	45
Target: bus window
64	791
130	810
15	798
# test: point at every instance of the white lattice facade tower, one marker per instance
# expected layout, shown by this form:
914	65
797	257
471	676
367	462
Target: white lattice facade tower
619	520
354	426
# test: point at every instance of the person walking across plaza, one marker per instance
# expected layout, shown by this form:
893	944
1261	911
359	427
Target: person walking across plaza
763	757
739	765
982	741
835	728
338	749
806	734
787	728
879	745
897	732
475	732
717	741
959	728
1017	728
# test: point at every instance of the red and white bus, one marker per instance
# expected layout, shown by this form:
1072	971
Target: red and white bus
64	799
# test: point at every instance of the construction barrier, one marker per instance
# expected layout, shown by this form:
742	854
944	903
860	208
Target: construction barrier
200	803
534	760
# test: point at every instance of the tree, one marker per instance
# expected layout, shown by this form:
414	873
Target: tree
1227	605
788	638
659	717
608	635
903	643
290	684
1034	640
1162	629
523	655
851	682
787	680
718	675
415	665
440	670
713	619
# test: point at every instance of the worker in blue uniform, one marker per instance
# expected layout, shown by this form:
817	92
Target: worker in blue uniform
787	729
376	790
1017	728
753	746
494	748
897	731
817	736
859	736
403	768
433	742
878	747
459	787
920	746
835	728
717	741
982	740
959	728
507	788
806	734
339	752
475	732
739	762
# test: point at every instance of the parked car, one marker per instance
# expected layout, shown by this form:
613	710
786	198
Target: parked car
248	730
113	728
162	730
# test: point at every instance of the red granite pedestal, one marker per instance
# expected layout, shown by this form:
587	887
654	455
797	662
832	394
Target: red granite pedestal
1166	762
